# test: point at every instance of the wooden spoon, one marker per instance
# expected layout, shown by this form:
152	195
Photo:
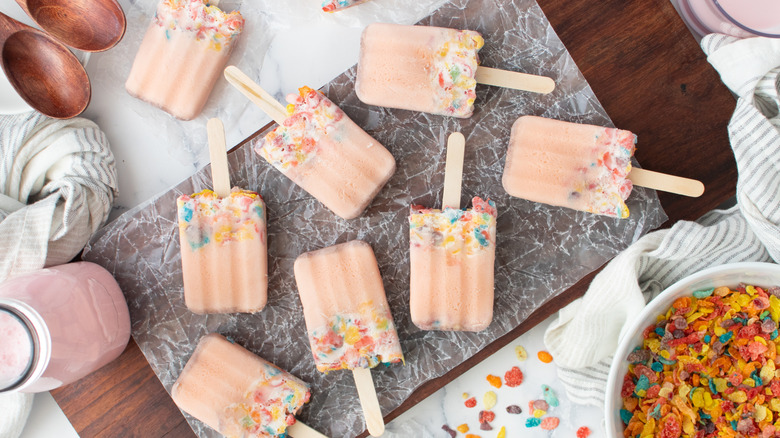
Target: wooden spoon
43	71
88	25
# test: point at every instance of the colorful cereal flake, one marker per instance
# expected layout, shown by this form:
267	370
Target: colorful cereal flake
470	403
544	356
463	428
494	381
550	423
489	400
513	378
449	430
514	409
501	432
707	368
521	354
583	432
486	416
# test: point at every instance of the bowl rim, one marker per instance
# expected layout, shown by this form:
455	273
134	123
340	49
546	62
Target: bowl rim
625	335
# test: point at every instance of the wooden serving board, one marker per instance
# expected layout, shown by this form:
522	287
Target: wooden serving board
651	77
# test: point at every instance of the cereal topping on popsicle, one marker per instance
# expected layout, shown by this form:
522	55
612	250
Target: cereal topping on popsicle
606	178
359	340
311	115
268	407
454	229
337	5
455	66
206	218
207	22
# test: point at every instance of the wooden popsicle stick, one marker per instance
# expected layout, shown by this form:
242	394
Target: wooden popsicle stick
301	430
218	154
260	97
368	401
513	79
666	183
453	170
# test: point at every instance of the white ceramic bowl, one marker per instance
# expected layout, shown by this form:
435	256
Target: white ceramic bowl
731	275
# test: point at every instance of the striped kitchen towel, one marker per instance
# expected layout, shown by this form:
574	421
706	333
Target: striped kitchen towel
57	184
585	334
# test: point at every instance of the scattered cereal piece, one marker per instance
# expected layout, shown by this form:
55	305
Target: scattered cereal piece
502	432
513	378
538	413
471	435
447	429
550	423
549	396
532	422
541	404
514	409
494	381
465	395
470	403
521	354
486	416
489	400
583	432
485	426
463	428
544	356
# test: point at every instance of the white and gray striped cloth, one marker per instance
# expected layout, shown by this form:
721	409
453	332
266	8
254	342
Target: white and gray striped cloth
57	185
585	334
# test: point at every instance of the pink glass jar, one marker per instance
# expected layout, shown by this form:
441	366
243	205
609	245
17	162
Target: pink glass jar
59	324
739	18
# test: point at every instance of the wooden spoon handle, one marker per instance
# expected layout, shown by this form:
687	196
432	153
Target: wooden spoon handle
219	165
260	97
9	26
301	430
516	80
453	170
666	183
368	401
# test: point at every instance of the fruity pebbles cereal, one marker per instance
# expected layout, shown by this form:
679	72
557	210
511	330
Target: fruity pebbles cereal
707	368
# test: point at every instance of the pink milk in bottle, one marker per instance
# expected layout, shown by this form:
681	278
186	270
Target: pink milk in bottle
59	324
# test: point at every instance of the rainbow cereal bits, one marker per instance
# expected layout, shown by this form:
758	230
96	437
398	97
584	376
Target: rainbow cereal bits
707	368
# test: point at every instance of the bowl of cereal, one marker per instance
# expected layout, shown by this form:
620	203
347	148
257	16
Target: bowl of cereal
702	356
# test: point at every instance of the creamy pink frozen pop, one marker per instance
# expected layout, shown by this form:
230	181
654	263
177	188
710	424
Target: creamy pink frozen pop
345	307
419	68
584	167
324	152
182	54
223	251
451	276
238	393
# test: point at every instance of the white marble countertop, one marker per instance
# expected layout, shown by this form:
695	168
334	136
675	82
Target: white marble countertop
147	166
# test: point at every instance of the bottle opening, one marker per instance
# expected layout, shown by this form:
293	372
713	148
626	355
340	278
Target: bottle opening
16	350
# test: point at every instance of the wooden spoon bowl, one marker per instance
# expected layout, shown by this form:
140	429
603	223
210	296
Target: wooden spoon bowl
88	25
43	71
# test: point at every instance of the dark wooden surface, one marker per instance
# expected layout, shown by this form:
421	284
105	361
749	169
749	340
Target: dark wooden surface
651	77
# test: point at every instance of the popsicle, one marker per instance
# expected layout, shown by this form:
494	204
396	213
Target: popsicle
182	54
338	5
452	255
239	394
584	167
347	317
223	241
430	69
320	149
